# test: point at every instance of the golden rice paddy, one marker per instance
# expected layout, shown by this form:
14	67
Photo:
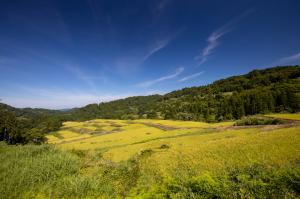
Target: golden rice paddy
286	116
200	145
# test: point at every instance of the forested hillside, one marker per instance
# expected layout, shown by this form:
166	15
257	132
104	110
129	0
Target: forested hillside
260	91
27	125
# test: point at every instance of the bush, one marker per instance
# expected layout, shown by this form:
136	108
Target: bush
164	146
258	121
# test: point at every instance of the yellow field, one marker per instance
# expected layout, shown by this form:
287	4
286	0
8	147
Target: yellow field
288	116
199	145
103	134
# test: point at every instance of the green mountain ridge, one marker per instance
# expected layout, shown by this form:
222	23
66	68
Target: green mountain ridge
260	91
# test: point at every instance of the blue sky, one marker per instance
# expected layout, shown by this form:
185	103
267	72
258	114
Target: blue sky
62	54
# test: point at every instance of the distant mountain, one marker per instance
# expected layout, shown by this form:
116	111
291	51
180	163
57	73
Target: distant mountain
28	112
65	109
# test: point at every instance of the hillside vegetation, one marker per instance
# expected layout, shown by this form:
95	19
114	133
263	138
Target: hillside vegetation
27	125
260	91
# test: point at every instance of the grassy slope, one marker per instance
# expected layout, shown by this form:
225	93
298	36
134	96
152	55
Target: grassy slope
155	159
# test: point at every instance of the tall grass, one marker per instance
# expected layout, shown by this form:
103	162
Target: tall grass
45	172
26	170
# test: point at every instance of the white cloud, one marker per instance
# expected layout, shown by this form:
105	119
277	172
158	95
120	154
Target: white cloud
212	43
132	59
191	76
163	78
88	79
290	59
69	101
215	36
59	99
129	62
157	47
162	43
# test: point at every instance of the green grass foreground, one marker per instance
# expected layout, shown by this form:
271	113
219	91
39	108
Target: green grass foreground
45	171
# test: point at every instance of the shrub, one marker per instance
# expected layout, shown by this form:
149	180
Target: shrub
146	152
164	146
258	121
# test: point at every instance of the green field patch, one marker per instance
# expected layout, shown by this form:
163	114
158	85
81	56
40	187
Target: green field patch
57	135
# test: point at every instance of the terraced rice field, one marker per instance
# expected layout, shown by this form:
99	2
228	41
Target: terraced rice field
109	135
156	159
202	145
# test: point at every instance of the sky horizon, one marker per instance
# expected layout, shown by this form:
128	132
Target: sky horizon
55	54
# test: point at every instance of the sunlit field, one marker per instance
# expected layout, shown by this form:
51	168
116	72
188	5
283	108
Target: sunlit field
130	137
288	116
206	146
155	159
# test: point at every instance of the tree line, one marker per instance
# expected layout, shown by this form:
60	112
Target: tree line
260	91
27	125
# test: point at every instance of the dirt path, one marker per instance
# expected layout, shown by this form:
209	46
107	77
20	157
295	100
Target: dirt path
263	127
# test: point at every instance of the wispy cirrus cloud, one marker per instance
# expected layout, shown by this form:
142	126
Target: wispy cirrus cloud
191	77
212	44
293	59
215	36
131	60
59	99
163	78
80	74
162	43
157	47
